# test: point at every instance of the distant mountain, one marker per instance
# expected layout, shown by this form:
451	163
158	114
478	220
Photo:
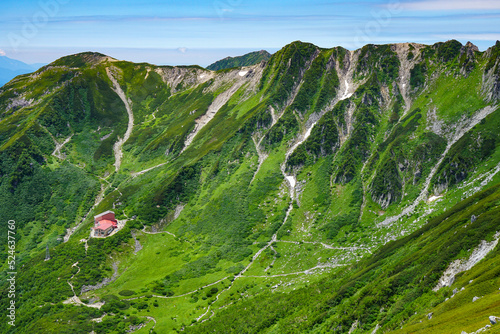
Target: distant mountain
247	60
10	68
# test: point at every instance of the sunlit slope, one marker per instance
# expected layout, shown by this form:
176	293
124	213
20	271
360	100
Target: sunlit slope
242	184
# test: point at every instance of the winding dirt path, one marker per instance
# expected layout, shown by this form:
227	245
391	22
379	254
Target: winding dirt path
153	320
274	238
86	245
59	146
144	231
117	148
57	151
291	182
75	299
274	259
304	272
99	198
184	294
147	170
323	244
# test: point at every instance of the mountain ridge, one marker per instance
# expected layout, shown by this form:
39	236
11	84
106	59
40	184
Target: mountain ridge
10	68
248	59
249	183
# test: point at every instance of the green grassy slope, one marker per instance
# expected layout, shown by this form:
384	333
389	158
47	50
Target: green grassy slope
391	288
249	59
389	132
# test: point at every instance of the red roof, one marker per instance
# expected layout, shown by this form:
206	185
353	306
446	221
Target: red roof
105	224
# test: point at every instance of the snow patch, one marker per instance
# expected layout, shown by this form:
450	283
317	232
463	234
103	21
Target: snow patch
291	180
242	73
346	93
434	198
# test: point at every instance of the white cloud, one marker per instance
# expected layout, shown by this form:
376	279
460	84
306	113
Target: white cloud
435	5
182	50
2	52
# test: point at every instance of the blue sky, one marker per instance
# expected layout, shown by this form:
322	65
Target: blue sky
200	32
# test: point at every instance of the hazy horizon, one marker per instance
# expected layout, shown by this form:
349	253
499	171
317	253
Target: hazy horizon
201	57
197	32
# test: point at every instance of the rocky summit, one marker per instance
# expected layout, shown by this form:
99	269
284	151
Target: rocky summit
309	191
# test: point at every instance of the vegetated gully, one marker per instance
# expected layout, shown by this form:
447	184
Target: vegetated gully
117	149
290	179
460	131
291	182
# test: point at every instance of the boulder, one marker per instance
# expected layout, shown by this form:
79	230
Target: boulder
429	316
474	299
493	319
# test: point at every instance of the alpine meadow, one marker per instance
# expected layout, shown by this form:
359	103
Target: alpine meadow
308	191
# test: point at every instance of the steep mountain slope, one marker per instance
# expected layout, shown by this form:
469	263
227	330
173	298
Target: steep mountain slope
394	287
249	59
241	186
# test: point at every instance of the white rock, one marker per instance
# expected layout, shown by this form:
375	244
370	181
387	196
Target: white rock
461	265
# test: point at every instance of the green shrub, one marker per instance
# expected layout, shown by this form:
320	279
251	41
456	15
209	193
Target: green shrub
126	293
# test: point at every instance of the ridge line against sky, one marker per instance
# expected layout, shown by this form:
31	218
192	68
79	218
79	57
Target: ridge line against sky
201	32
